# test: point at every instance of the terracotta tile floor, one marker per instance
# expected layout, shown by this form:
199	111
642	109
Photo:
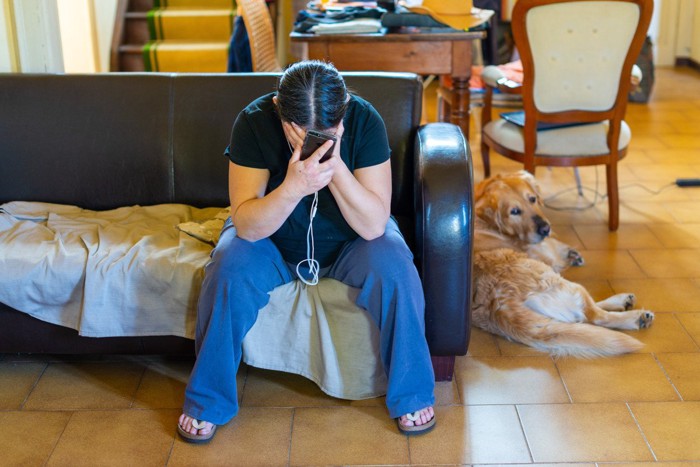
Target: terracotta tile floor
507	404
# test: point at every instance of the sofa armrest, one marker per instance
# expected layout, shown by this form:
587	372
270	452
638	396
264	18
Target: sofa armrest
444	233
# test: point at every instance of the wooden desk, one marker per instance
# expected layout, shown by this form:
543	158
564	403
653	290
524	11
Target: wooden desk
422	53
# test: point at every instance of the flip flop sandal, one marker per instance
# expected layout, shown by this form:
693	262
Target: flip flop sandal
416	429
196	439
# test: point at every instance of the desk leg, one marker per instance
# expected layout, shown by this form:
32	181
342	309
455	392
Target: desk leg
444	98
460	104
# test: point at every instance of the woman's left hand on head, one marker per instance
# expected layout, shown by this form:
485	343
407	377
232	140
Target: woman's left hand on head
294	134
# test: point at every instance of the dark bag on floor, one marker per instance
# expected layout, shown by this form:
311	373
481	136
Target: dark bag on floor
645	61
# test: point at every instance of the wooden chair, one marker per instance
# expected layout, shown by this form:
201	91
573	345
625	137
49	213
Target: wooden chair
577	58
261	35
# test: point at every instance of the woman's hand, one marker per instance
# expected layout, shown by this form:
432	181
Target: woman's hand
307	176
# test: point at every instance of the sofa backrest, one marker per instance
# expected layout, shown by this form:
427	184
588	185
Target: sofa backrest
107	140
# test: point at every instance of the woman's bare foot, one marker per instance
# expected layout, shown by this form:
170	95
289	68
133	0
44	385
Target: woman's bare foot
195	431
418	418
417	423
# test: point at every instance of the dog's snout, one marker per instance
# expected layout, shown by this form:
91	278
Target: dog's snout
543	228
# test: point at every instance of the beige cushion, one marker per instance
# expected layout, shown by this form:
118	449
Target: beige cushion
582	140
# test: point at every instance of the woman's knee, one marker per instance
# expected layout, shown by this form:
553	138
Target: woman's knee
235	259
387	255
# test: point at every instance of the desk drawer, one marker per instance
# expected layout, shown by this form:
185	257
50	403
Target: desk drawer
417	57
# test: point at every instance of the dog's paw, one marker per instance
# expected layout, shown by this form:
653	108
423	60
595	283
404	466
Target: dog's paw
630	302
575	258
645	319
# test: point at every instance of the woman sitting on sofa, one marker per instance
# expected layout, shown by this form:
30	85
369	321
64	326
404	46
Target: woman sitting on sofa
275	196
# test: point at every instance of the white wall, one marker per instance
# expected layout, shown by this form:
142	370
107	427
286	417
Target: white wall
676	31
80	54
73	36
38	36
86	34
684	40
105	15
8	59
663	31
695	41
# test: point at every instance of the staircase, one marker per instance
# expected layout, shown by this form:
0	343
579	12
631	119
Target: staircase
172	35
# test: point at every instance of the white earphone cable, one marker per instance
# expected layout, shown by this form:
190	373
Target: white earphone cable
310	260
310	247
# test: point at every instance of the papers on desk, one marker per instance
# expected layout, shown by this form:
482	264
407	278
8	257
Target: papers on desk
355	26
340	4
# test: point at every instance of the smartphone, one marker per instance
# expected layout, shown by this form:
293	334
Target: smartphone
314	139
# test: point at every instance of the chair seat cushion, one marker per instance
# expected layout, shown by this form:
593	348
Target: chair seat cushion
581	140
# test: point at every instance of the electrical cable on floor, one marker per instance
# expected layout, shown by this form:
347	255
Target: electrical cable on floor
598	196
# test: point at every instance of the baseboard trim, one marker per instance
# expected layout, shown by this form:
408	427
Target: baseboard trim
689	62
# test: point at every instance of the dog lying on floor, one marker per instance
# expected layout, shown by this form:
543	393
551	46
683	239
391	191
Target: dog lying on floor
519	293
509	215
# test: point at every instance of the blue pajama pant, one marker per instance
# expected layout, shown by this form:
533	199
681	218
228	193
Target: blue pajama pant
236	285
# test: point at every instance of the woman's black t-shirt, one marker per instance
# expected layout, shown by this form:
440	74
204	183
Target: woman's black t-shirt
258	141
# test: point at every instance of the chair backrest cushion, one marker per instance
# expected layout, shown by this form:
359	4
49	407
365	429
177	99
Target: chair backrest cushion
579	49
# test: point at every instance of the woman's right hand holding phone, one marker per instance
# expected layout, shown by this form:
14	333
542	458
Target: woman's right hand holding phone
310	175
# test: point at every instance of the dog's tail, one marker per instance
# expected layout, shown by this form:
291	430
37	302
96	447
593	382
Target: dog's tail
577	339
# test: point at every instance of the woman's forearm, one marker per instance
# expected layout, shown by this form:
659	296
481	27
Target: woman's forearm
365	210
259	218
254	213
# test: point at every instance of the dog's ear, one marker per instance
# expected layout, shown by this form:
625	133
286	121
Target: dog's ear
483	186
530	179
497	184
486	190
487	207
480	188
482	206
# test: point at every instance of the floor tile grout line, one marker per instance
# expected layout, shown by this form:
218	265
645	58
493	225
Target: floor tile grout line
324	407
408	448
291	436
172	448
31	390
695	341
641	431
668	377
563	382
58	439
138	386
96	409
524	432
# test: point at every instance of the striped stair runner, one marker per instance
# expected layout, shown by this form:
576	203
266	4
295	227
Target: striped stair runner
189	35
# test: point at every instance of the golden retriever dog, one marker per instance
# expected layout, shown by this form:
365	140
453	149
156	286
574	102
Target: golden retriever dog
509	215
519	293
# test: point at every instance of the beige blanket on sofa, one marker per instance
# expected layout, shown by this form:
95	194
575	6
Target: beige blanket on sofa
122	272
133	271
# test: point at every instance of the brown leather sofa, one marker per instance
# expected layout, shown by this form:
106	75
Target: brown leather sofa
109	140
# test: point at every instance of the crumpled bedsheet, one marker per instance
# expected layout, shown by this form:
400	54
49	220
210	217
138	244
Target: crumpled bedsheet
122	272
